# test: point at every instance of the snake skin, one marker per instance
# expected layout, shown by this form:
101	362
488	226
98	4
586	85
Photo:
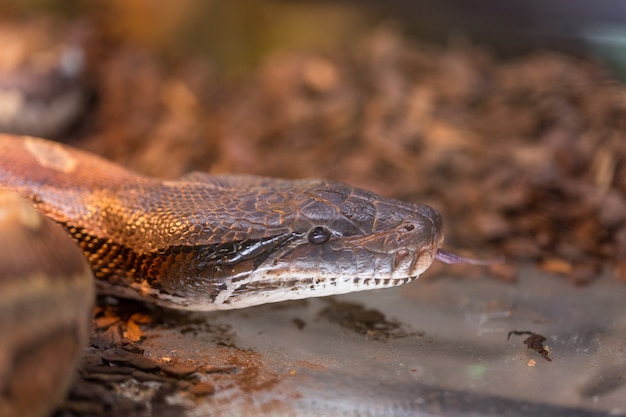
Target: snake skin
207	242
46	298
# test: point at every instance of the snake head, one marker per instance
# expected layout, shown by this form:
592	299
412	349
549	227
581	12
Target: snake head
341	239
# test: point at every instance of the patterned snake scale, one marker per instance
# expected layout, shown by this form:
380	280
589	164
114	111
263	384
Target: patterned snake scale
206	242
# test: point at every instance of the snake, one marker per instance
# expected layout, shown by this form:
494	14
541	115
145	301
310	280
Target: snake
201	242
210	242
46	298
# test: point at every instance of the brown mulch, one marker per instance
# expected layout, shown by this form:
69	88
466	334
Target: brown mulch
116	378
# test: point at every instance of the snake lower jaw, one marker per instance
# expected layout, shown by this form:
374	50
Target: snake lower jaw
306	287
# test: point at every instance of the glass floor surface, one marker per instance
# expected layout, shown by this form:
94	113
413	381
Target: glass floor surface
435	347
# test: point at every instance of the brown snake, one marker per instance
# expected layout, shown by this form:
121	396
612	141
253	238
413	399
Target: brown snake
46	297
219	242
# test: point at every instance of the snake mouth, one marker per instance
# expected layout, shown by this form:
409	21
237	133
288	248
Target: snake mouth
269	290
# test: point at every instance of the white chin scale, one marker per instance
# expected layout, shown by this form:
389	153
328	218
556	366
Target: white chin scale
230	298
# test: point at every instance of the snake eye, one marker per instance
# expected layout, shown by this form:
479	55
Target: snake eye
319	235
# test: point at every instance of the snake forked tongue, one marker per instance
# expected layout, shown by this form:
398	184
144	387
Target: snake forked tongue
452	258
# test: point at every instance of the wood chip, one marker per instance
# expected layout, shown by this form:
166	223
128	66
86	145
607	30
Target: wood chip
202	389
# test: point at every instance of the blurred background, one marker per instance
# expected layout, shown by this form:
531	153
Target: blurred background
507	117
237	35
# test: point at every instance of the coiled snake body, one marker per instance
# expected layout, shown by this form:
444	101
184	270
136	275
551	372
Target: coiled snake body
218	242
